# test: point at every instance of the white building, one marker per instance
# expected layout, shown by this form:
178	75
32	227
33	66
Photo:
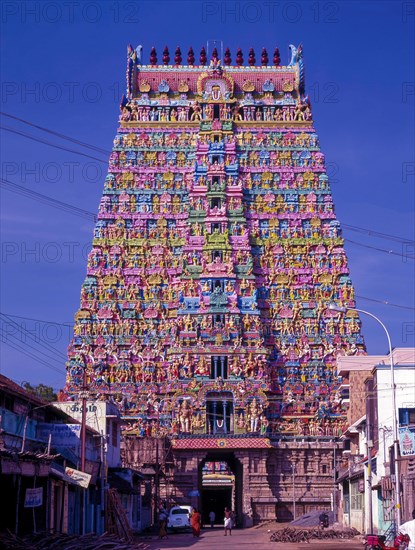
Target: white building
103	417
370	483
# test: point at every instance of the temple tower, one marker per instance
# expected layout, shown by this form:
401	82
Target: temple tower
215	255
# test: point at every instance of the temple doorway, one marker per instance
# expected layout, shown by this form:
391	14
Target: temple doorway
220	486
216	499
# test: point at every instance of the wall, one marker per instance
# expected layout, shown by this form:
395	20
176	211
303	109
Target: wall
104	418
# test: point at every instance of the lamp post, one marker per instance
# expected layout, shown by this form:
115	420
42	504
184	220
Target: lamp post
334	307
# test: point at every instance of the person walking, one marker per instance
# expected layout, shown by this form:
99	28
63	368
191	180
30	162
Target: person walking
228	522
408	528
212	517
163	516
196	523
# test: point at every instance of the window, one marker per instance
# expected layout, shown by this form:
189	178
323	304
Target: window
356	497
216	111
219	366
215	158
218	320
215	202
219	412
218	285
407	417
345	393
114	434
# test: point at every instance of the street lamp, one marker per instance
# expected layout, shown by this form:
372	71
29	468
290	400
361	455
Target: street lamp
334	307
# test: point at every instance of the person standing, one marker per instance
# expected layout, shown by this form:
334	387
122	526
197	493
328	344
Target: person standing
228	522
163	516
408	528
196	523
212	517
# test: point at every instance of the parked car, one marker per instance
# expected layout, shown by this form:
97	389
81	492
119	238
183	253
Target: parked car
179	517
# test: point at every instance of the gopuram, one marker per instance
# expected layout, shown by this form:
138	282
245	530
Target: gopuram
204	313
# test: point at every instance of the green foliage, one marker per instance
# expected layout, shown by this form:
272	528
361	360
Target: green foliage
42	391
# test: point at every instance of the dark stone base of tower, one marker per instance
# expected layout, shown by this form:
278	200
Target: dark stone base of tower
273	479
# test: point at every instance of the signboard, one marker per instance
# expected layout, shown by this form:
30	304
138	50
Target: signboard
79	478
407	441
63	435
33	497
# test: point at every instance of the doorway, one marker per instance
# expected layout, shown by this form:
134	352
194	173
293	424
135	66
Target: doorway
220	486
216	499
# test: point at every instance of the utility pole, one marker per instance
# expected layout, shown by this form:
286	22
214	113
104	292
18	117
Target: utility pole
156	481
83	394
334	506
103	477
369	445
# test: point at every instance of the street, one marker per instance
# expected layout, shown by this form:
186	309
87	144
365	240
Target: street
244	538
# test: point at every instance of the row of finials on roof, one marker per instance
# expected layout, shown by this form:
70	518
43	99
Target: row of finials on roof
203	60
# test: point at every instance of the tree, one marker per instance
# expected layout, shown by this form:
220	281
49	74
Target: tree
42	391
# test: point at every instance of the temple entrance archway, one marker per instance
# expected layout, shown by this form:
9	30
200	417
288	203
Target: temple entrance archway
220	486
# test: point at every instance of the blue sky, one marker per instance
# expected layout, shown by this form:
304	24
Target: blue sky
63	68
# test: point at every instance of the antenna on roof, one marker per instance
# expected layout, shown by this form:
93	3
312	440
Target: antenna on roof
211	45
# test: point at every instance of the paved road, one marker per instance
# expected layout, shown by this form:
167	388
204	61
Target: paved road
258	539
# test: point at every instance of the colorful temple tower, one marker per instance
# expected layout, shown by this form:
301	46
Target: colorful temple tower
204	312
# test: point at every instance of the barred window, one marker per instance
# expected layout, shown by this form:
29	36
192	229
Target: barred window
356	497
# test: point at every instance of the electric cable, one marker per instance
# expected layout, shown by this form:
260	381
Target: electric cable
58	134
21	329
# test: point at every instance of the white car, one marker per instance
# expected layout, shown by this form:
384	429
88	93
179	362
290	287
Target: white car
179	517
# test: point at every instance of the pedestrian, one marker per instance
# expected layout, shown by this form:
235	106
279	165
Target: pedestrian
228	522
408	528
212	517
196	522
163	523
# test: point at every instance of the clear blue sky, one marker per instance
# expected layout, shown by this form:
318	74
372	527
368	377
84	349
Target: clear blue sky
63	67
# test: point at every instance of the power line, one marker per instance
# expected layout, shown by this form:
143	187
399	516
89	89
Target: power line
21	329
385	303
45	199
371	233
50	144
32	356
39	320
62	136
8	335
390	252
